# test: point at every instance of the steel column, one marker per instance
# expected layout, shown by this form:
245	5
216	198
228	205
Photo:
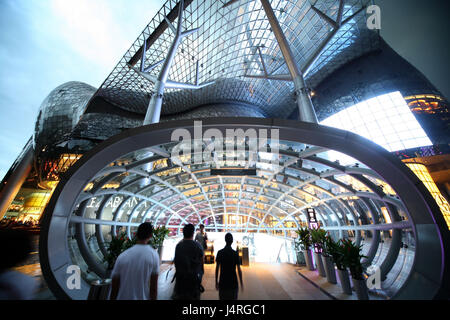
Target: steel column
305	106
13	183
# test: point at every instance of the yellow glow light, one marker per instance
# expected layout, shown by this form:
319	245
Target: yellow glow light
422	172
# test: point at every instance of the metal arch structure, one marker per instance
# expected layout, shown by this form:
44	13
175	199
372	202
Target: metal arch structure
234	39
145	175
310	181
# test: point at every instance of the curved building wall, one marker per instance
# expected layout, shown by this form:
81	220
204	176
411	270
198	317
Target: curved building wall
60	112
98	124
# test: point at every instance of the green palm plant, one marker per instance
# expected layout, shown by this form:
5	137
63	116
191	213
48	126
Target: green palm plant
318	237
159	234
117	245
352	258
326	245
335	250
304	237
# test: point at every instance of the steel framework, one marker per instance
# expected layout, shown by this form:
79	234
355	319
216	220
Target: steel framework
375	197
234	42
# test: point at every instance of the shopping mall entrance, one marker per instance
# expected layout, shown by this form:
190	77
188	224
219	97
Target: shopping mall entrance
256	178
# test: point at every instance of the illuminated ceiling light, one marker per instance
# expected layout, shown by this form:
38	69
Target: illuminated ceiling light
386	215
386	120
422	173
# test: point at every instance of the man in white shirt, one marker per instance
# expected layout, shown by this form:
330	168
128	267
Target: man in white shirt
135	273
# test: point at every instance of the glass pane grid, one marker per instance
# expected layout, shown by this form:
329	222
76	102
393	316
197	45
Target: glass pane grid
386	120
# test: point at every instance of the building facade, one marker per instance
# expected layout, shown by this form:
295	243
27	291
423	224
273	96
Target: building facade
91	169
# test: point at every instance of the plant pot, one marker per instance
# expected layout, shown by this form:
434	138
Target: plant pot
160	252
308	259
329	269
319	264
344	279
360	287
301	258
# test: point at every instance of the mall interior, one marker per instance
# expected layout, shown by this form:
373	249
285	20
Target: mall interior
289	114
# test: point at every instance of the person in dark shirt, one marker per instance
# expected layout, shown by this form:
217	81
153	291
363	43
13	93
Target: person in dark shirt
227	261
189	265
201	237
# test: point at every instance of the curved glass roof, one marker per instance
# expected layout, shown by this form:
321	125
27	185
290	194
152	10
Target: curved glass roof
385	120
234	41
150	184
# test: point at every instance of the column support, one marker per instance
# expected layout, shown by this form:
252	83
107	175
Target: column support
162	82
305	106
13	182
154	108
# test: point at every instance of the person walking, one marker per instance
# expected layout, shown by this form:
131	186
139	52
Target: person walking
201	237
135	273
188	266
227	261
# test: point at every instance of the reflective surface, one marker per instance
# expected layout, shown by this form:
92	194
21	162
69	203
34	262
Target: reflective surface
60	112
227	47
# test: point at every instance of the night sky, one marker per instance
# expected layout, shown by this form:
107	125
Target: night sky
45	43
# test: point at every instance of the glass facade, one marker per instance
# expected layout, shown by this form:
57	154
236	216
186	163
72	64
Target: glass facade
226	48
385	120
59	113
235	42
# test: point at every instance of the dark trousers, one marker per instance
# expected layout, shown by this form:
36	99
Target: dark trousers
228	294
186	288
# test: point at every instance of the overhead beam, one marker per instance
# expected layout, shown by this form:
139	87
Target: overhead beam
173	14
305	106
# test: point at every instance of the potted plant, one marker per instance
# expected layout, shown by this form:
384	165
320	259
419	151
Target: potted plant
318	238
305	241
117	245
336	251
352	258
327	260
159	235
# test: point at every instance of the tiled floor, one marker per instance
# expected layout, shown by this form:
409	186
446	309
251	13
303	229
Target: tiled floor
261	282
333	290
32	267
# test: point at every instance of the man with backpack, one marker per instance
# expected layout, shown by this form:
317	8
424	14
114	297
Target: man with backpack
189	265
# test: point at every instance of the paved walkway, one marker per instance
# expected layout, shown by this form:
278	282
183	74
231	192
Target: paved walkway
333	290
262	281
32	267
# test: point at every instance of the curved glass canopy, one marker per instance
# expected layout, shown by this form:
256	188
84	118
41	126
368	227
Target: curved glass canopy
137	176
234	47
